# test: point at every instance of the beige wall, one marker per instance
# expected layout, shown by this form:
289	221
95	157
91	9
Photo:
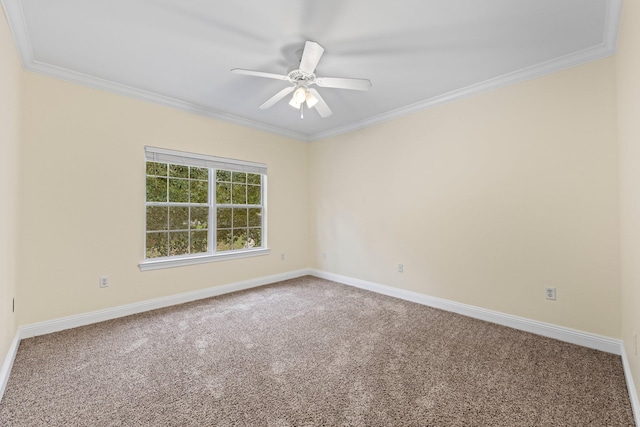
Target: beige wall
10	94
82	213
628	67
485	201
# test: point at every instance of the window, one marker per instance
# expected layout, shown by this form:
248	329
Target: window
202	208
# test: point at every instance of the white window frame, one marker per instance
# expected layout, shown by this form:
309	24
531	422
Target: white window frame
161	155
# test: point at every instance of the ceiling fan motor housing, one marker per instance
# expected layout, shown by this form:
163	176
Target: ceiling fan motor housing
298	76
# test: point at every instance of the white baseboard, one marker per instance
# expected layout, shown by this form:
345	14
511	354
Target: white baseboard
631	388
597	342
75	321
5	370
585	339
70	322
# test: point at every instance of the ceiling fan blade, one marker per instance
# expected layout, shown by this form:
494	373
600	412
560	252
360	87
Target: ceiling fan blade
344	83
259	74
321	106
310	57
277	97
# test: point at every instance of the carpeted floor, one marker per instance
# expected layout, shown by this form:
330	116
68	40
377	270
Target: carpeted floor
309	352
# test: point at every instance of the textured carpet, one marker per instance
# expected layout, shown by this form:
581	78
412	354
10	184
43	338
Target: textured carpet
309	352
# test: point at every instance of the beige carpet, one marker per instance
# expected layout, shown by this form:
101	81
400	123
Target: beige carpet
309	352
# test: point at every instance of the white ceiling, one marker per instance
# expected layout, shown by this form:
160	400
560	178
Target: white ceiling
417	53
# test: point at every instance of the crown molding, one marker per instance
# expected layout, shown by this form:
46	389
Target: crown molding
603	50
18	26
120	89
530	73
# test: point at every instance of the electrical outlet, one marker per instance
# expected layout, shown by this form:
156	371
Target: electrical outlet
400	268
324	254
104	282
281	257
550	293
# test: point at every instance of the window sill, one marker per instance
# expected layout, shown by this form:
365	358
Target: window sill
156	264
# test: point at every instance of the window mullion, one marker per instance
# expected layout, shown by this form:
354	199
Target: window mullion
189	212
212	211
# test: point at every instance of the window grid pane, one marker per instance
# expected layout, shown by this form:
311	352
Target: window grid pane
238	211
179	200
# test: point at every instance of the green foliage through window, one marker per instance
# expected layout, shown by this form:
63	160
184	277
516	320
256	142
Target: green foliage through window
179	209
239	211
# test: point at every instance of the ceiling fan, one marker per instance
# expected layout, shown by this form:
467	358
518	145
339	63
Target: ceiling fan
302	77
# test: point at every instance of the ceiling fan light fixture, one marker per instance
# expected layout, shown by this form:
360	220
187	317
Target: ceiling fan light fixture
294	103
300	94
311	100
